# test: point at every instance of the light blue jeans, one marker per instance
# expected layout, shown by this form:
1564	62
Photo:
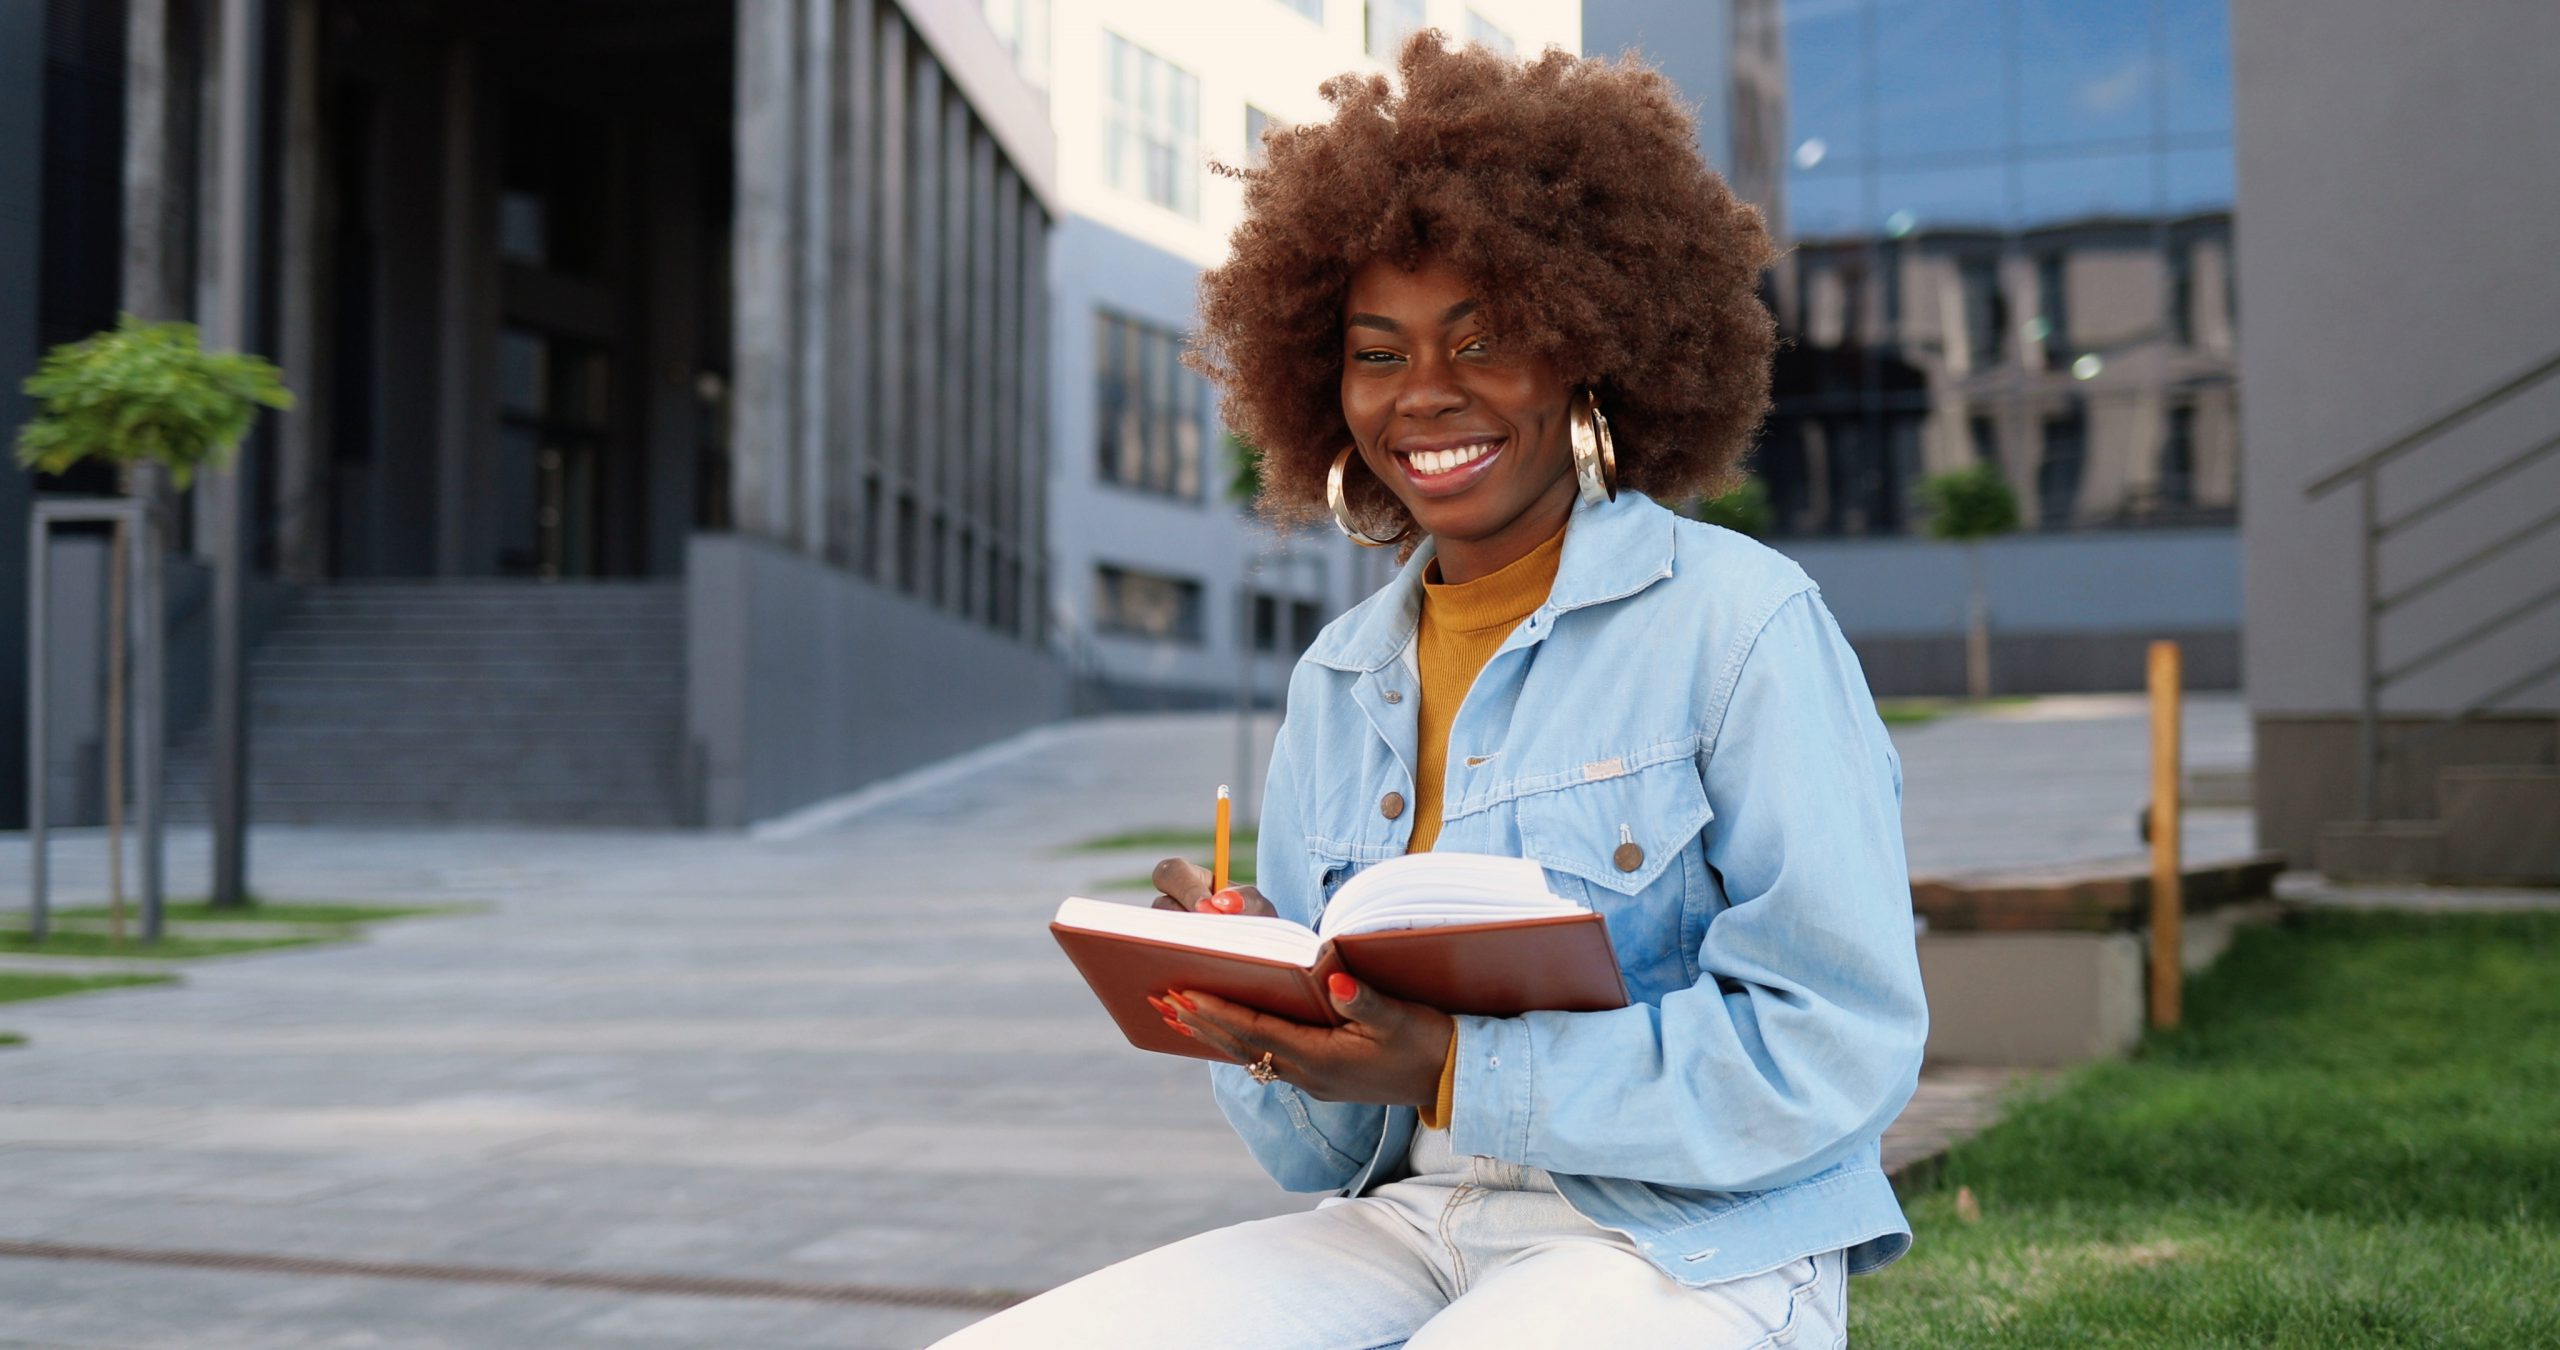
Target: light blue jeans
1468	1254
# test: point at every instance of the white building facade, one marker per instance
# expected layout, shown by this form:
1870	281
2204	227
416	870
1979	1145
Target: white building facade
1165	589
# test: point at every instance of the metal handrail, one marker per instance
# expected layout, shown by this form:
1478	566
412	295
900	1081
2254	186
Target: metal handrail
2407	441
2365	472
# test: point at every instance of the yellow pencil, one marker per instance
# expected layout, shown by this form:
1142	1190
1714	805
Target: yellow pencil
1226	814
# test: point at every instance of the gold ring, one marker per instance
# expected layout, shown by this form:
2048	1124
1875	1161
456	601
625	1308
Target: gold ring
1262	1071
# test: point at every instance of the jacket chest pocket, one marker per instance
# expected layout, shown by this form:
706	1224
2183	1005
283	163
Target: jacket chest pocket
1631	841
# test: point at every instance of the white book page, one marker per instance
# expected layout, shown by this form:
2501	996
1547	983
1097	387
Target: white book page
1427	890
1256	935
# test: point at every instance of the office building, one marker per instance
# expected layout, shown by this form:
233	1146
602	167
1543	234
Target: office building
1166	592
673	379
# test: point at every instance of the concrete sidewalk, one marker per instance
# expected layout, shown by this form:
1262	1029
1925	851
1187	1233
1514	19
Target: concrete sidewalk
845	1072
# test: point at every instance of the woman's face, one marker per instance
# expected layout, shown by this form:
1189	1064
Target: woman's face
1470	434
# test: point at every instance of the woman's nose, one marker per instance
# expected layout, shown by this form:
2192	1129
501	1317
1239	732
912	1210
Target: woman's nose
1430	389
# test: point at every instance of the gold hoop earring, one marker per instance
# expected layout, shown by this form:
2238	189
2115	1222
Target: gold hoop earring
1595	454
1340	501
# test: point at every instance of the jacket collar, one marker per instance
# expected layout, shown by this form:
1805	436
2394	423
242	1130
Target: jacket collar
1611	550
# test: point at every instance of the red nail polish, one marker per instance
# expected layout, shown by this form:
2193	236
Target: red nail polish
1176	996
1163	1009
1343	989
1179	1027
1226	902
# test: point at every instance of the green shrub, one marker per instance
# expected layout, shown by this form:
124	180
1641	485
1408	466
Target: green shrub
145	393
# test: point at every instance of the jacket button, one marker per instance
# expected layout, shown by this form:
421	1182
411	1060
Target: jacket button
1391	805
1392	696
1629	857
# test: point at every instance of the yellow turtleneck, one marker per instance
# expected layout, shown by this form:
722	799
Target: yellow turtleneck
1463	623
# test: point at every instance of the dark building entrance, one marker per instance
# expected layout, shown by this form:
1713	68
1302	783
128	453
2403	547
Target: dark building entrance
507	224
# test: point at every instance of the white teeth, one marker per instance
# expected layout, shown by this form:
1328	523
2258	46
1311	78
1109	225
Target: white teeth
1442	461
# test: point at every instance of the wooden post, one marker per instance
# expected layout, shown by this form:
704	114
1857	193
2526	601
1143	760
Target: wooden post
116	560
2167	901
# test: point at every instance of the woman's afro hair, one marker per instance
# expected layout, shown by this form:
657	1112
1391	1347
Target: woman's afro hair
1570	188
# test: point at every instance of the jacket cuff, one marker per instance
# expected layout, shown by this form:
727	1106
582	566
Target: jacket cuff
1436	1116
1494	1093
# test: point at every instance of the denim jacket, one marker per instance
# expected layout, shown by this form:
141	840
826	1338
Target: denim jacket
1682	689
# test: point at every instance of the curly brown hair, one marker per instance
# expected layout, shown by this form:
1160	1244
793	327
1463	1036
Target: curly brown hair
1570	187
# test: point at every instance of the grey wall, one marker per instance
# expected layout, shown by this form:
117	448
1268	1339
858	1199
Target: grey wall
21	184
804	681
2399	250
2070	612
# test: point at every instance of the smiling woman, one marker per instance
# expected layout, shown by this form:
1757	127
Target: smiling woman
1440	307
1604	256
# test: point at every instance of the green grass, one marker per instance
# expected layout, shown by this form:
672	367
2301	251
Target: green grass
2355	1140
1912	712
265	912
17	986
171	947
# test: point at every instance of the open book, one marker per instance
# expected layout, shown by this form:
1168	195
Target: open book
1462	932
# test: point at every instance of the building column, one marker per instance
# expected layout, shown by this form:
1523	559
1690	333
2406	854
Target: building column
458	425
302	481
21	214
762	439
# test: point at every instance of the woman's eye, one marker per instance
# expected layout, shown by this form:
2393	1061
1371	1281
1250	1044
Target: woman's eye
1374	356
1476	347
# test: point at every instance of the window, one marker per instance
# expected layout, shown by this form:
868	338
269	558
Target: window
1149	411
2182	294
1146	604
1481	29
1986	310
2066	448
2053	307
2178	459
1389	21
1152	140
1304	618
1986	439
1257	124
1022	29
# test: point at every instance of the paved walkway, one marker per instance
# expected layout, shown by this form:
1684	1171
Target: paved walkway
785	1082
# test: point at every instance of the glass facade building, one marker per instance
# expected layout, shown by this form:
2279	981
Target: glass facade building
2010	241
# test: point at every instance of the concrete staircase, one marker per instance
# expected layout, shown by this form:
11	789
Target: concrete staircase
2495	824
397	703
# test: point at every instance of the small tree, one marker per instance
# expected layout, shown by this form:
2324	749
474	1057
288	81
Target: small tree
1743	510
139	395
1969	506
145	393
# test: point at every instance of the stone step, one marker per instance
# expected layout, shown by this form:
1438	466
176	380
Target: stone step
497	702
2108	895
2359	851
2501	825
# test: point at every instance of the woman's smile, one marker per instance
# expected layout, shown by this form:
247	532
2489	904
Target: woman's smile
1444	466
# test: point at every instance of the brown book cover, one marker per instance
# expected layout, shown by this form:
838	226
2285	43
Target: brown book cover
1562	963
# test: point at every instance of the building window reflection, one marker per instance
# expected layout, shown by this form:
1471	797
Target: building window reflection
2004	219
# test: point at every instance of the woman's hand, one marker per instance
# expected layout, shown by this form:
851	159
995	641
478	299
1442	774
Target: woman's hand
1185	885
1389	1054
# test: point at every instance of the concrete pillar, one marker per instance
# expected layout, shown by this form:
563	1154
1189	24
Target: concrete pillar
761	436
814	426
891	423
1034	477
918	449
302	481
855	183
951	452
21	211
459	426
